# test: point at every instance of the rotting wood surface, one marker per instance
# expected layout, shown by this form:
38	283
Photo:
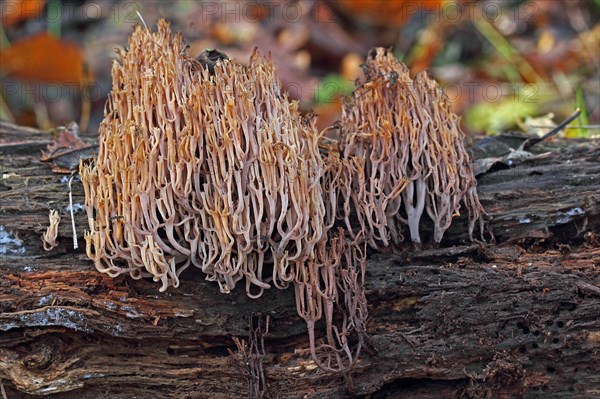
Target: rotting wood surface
520	318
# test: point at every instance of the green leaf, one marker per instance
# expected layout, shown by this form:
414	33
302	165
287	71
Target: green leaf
496	117
583	119
331	88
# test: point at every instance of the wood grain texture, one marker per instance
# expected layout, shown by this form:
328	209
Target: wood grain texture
520	318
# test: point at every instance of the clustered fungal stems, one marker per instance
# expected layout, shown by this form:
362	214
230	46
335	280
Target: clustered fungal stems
218	171
51	234
405	154
211	165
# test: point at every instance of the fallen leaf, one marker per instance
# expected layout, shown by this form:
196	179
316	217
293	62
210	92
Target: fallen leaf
66	150
43	58
384	12
538	126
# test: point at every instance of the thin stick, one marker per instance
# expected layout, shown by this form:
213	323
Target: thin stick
40	110
531	142
569	127
2	391
75	246
141	18
5	112
86	103
4	42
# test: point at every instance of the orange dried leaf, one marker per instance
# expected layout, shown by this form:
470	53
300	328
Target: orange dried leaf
382	12
15	11
43	58
67	149
67	141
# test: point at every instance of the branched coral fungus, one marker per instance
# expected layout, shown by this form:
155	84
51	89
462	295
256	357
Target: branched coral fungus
206	162
403	155
211	165
49	237
333	280
214	168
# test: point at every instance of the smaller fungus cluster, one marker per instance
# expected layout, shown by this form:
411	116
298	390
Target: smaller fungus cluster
49	237
333	281
404	156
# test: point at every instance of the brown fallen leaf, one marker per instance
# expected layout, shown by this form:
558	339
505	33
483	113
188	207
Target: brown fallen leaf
384	12
43	58
66	150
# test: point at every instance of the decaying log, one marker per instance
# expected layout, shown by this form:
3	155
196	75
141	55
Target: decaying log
518	318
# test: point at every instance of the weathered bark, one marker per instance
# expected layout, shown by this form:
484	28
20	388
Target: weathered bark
518	318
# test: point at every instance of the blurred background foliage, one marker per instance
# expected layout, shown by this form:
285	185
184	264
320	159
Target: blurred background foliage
505	64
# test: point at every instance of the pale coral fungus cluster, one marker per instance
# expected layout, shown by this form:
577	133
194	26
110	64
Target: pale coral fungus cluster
216	168
220	172
405	156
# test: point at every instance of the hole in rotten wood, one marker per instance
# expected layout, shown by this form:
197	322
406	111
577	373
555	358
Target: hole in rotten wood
409	387
219	351
568	306
523	327
550	369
